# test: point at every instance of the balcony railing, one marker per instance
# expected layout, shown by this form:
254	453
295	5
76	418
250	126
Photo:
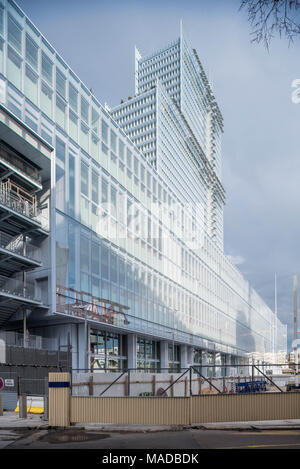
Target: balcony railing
17	199
19	246
20	165
17	287
16	339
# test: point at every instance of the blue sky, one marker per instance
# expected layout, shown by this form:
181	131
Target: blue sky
261	142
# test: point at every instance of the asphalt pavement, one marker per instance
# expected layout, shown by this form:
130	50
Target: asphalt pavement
35	433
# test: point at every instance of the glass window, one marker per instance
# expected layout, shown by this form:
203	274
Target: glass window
1	53
142	173
60	188
95	147
121	150
84	137
84	210
73	126
105	346
104	194
71	185
104	131
60	83
31	85
95	187
113	201
129	213
72	255
149	180
113	141
46	134
31	52
95	121
136	166
73	97
14	105
174	354
14	34
46	100
129	159
84	110
147	354
129	277
84	253
14	68
84	179
95	259
47	67
113	268
60	150
197	356
60	112
1	20
104	262
95	218
122	272
31	120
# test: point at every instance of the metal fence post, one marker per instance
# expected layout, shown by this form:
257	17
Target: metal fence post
23	406
46	401
46	408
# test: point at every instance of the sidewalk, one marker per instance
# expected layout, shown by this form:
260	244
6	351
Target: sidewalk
11	420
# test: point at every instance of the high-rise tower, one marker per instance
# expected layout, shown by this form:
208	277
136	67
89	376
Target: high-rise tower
175	121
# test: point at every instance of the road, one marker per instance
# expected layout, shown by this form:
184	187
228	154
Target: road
185	439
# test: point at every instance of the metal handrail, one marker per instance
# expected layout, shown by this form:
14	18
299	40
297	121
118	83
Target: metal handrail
16	202
22	202
18	246
17	287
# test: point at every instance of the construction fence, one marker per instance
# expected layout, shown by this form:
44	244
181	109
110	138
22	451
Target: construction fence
25	372
191	381
66	409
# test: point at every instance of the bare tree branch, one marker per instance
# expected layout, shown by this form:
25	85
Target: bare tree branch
270	17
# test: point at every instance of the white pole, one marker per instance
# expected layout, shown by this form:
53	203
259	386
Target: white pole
275	294
295	331
275	312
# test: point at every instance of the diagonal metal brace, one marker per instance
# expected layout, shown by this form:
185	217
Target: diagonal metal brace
269	379
122	374
197	371
172	384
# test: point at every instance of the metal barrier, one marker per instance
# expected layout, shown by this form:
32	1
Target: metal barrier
189	381
65	409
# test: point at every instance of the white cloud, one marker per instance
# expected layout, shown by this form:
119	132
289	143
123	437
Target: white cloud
236	260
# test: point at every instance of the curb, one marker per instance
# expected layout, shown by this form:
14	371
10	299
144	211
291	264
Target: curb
151	429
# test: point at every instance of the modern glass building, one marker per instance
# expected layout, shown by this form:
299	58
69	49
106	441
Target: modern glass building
129	204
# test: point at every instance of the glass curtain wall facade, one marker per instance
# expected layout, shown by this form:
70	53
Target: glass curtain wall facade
118	220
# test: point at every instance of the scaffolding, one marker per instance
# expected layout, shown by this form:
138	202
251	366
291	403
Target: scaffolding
89	307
